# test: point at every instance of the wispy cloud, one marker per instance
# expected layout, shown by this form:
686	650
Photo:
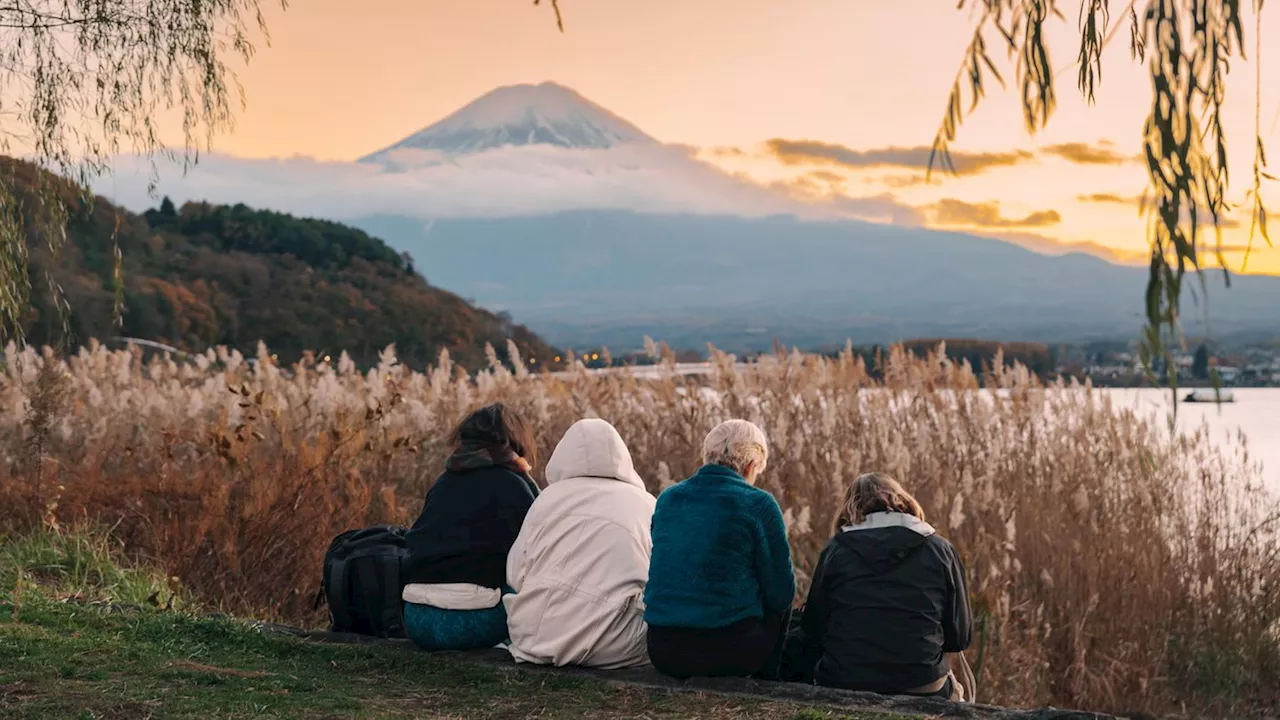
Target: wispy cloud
950	211
815	152
1227	222
828	177
1111	198
824	192
881	208
1102	153
901	181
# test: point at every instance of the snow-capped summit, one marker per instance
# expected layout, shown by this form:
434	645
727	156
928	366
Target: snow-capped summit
546	114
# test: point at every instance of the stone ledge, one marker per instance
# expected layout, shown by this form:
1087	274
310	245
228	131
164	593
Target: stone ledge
794	692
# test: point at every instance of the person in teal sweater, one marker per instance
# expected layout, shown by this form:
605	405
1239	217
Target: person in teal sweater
720	580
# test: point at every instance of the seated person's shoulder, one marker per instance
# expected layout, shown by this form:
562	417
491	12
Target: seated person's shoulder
941	546
762	499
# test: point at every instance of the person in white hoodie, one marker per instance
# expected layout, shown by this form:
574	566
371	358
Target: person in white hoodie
580	562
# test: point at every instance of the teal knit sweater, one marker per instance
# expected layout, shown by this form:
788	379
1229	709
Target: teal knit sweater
720	553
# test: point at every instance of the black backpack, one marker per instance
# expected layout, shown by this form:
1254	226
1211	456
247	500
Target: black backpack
362	581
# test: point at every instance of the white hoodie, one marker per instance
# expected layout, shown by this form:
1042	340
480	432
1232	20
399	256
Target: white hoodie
581	560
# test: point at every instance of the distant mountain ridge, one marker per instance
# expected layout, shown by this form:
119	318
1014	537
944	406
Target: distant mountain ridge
603	277
206	275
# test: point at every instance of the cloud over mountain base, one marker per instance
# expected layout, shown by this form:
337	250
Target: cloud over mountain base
502	182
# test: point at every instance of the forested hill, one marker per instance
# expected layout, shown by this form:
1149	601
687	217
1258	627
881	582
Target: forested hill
206	275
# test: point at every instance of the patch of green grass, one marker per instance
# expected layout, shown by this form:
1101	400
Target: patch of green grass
80	563
61	658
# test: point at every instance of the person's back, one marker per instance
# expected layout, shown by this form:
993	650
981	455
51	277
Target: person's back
455	572
720	580
469	519
710	534
581	561
887	602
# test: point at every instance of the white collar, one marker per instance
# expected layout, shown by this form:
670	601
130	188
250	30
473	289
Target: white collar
875	521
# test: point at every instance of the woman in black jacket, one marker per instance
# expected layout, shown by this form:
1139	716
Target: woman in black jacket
888	598
457	563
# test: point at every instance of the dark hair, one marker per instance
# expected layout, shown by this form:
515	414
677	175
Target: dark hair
496	426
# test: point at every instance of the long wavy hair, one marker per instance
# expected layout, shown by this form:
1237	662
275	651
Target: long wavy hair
496	427
873	493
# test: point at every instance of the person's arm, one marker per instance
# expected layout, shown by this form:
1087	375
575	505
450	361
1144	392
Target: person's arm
957	621
433	491
773	558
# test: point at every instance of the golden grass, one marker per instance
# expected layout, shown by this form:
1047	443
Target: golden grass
1112	567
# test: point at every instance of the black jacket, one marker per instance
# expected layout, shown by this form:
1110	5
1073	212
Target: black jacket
468	523
887	600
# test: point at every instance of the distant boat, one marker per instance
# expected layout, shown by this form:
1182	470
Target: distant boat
1208	395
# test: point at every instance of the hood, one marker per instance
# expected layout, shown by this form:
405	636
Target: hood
592	449
885	539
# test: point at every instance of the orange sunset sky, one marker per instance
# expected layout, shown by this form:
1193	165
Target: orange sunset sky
820	98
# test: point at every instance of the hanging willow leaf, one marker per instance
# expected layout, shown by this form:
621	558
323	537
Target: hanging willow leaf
1187	47
555	7
84	80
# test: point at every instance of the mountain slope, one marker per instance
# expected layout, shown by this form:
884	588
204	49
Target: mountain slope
215	275
585	278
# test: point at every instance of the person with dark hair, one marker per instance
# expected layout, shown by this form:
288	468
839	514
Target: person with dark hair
888	602
456	567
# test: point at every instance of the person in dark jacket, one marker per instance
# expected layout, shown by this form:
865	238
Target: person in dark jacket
720	581
457	562
888	599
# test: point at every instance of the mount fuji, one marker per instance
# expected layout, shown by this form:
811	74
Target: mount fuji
536	201
537	149
516	115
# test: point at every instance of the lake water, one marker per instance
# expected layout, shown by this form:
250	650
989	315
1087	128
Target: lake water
1255	412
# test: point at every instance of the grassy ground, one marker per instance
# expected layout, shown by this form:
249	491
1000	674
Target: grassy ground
66	653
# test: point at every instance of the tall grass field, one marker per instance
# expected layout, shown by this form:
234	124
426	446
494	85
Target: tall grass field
1112	565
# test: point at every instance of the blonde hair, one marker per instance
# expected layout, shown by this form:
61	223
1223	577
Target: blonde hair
877	492
737	445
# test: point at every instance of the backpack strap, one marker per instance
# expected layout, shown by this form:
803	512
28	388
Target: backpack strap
369	588
392	604
340	611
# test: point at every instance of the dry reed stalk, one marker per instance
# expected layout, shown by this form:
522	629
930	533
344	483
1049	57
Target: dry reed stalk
1111	567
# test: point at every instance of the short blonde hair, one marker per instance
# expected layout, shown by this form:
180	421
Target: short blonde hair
736	444
877	492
